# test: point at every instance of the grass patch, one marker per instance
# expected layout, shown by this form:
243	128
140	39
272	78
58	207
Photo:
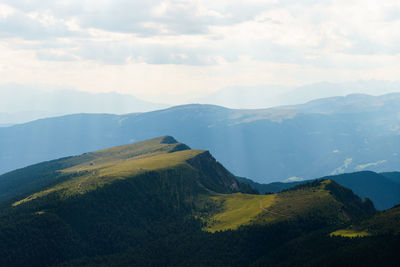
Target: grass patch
238	209
350	233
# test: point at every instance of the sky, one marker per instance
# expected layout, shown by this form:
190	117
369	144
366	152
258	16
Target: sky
176	50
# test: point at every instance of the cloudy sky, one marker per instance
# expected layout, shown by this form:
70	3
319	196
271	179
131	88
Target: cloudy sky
174	50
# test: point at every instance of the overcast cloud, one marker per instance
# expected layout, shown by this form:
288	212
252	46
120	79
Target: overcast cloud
180	48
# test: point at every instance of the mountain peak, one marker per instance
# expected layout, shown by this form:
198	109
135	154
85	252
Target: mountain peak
168	140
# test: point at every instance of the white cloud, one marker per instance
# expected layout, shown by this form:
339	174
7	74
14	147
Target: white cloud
347	162
55	56
202	45
293	179
367	165
5	11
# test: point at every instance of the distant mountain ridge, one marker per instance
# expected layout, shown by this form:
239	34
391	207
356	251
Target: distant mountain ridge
353	103
393	176
265	96
265	145
20	104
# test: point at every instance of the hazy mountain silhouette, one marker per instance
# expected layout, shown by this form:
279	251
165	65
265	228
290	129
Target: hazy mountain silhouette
20	104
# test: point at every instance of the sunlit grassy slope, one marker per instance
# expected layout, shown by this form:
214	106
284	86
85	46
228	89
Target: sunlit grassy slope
319	198
237	209
93	170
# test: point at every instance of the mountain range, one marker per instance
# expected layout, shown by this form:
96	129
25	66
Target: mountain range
160	203
21	103
264	96
323	137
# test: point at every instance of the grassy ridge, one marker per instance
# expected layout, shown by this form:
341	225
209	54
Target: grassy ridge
315	198
97	169
91	171
32	179
149	148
